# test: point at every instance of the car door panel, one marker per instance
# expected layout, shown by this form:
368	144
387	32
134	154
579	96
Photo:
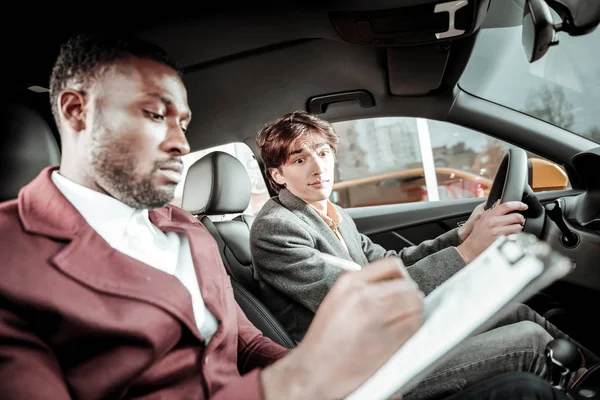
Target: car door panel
400	225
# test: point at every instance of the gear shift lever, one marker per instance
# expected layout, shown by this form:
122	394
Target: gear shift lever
562	360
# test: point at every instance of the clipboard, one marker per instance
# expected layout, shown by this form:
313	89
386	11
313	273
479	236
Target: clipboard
511	270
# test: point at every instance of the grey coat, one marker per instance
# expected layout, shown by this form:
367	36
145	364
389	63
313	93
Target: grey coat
287	237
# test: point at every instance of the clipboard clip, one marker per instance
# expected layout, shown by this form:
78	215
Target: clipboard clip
512	251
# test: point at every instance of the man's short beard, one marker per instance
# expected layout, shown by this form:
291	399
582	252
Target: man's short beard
120	180
117	173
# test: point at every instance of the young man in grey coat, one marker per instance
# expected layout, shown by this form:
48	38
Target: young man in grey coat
296	233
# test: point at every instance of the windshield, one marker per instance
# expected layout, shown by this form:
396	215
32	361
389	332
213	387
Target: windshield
562	88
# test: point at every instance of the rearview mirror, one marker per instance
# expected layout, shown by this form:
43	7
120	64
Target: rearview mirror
546	176
577	17
538	29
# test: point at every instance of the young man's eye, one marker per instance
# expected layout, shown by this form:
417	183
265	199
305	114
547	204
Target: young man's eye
299	161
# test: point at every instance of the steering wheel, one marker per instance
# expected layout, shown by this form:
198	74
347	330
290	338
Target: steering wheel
512	184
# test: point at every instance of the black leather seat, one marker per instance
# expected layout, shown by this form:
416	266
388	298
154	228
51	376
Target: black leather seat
218	184
27	145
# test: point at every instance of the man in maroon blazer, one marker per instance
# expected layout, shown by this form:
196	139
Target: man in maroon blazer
106	291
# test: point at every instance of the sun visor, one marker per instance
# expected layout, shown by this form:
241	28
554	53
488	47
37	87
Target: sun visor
416	71
423	22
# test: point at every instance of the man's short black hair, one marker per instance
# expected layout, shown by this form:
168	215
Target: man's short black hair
84	57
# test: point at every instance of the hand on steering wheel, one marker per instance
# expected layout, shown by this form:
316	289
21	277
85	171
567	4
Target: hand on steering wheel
501	220
510	208
512	184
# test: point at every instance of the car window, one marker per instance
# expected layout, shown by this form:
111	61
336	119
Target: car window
405	160
259	193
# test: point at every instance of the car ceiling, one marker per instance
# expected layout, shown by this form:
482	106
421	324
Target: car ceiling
247	65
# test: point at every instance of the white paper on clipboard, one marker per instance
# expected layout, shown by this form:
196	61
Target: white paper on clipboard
511	269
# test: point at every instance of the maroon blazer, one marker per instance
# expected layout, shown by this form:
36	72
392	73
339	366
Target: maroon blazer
79	319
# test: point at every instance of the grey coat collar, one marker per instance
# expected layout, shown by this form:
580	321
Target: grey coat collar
310	216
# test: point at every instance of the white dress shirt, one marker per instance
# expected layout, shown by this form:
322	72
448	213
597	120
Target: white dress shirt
131	232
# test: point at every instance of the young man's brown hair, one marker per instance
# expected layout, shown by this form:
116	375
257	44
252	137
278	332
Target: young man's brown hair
275	140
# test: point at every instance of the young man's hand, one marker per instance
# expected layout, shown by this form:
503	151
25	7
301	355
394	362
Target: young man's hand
465	230
360	324
490	225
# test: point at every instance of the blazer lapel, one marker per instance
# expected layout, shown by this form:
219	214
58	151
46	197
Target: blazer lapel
92	261
206	257
352	239
307	214
89	259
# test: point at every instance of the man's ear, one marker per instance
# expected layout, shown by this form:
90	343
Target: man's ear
71	107
277	176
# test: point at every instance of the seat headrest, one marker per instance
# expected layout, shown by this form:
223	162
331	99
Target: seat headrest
216	184
27	145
